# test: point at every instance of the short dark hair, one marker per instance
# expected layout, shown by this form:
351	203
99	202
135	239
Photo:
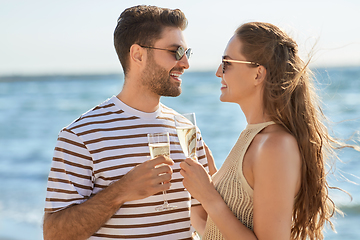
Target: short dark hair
143	25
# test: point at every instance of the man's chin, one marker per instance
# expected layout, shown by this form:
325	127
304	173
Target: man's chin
173	93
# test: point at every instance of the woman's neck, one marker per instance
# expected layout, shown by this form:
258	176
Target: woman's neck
254	111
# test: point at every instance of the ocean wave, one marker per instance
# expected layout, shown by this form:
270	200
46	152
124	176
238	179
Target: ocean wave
350	209
57	77
42	177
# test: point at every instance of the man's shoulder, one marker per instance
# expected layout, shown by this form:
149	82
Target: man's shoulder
102	113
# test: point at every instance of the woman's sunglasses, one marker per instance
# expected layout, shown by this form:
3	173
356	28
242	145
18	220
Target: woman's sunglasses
225	62
179	52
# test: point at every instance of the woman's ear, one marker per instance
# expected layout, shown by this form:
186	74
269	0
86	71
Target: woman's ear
260	75
137	55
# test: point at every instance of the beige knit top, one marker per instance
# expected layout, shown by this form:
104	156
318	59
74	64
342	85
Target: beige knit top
230	182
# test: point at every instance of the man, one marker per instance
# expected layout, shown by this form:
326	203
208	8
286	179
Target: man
103	184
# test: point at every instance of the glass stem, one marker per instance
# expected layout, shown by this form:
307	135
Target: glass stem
164	196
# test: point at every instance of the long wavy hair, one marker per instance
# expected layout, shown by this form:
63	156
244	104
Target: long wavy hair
290	100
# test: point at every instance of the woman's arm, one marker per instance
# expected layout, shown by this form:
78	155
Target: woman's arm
198	215
276	172
198	218
198	182
277	179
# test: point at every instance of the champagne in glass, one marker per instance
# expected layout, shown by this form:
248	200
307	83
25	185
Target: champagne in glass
157	149
186	130
159	144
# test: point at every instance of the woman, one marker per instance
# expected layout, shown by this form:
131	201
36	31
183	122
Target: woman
273	184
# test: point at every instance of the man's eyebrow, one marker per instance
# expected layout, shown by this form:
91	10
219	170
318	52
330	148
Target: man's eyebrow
175	46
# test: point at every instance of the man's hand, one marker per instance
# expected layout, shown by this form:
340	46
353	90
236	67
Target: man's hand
82	220
146	179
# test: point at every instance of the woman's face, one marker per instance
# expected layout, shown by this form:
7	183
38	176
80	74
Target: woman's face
238	79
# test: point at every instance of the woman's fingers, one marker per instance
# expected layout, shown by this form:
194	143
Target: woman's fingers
210	159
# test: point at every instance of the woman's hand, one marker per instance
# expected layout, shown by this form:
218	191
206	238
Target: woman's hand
196	180
210	160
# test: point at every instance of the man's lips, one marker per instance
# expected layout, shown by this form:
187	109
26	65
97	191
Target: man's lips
176	75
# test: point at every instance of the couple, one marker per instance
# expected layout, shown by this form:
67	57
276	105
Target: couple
103	184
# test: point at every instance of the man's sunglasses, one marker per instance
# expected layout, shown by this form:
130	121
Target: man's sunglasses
179	52
225	62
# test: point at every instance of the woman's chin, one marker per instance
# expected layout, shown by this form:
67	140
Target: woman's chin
223	98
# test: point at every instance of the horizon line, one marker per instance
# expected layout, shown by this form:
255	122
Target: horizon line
107	73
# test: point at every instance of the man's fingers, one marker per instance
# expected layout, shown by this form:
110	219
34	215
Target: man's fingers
161	160
166	177
163	169
164	186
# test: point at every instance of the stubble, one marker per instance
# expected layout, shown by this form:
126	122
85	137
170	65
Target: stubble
158	79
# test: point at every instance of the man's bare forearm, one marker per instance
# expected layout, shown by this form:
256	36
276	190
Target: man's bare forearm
83	220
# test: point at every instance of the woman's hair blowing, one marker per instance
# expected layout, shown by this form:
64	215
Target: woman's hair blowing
290	100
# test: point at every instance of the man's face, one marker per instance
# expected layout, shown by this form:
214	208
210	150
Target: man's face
162	72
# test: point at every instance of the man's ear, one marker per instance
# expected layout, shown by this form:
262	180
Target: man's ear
137	55
260	75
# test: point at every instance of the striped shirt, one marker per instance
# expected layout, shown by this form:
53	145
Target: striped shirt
102	146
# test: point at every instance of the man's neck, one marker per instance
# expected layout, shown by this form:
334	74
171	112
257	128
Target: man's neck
140	100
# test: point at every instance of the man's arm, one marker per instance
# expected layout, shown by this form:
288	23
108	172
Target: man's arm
82	220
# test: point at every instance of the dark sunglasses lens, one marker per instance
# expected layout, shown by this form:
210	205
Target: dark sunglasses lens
188	53
179	53
223	66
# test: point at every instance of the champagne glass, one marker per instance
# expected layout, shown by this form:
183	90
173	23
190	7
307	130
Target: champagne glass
159	144
186	130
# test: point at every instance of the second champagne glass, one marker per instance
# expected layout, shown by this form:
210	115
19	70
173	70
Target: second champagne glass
159	144
186	130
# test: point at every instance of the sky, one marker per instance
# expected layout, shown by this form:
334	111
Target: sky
76	36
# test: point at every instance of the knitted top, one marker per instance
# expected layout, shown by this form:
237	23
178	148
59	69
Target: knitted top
230	182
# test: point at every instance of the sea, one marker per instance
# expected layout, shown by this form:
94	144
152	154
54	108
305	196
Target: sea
33	109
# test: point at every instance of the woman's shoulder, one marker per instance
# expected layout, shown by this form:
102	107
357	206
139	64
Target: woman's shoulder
273	154
276	137
278	160
276	144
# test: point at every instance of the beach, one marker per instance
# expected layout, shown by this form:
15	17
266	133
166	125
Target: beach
35	108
